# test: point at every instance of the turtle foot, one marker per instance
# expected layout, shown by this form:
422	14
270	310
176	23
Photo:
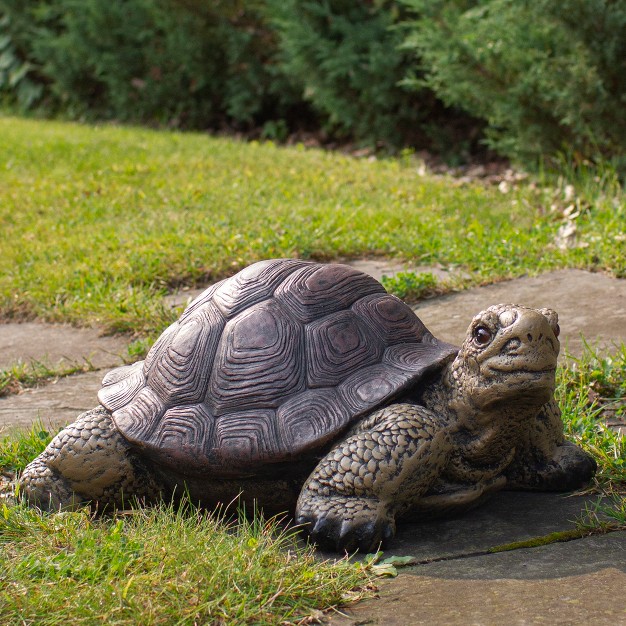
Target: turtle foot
346	523
47	490
569	468
88	461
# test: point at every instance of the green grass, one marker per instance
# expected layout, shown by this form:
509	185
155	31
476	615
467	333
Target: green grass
162	565
97	222
591	390
23	375
20	447
411	286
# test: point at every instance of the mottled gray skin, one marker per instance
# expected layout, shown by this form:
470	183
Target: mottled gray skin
484	422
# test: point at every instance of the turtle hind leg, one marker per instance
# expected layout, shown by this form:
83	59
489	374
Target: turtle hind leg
89	461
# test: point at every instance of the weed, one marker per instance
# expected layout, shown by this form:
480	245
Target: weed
23	375
411	286
590	391
20	447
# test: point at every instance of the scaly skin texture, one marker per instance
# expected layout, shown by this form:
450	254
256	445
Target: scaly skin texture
352	498
486	421
87	461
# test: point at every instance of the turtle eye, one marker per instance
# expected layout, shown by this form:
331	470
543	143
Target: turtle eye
482	336
557	330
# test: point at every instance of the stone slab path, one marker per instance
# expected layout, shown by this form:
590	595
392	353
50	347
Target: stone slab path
58	345
590	304
457	583
59	401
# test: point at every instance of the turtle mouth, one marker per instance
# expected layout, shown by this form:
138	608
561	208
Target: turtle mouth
512	370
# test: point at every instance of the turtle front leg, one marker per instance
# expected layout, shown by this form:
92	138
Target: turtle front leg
89	461
387	462
545	461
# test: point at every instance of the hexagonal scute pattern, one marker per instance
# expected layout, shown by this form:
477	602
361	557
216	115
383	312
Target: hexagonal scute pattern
337	345
181	436
318	290
253	284
272	363
390	318
259	362
315	415
247	438
180	374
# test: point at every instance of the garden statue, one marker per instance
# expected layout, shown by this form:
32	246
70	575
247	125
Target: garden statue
307	387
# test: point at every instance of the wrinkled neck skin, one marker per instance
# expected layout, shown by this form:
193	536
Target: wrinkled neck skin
489	419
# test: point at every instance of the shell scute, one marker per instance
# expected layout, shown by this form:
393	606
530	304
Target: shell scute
337	345
253	284
316	290
180	374
390	318
372	386
182	435
313	417
121	385
247	438
136	419
419	358
204	298
259	360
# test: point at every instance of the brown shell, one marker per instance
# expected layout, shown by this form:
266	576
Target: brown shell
269	365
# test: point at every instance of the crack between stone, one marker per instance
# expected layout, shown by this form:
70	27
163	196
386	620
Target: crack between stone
534	542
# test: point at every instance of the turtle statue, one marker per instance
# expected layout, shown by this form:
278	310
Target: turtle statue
308	388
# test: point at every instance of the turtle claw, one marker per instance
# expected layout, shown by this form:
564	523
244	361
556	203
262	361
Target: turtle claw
347	529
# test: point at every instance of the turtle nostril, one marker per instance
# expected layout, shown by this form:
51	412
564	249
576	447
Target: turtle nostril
529	337
512	345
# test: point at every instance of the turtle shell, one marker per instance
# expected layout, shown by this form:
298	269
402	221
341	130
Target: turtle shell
270	366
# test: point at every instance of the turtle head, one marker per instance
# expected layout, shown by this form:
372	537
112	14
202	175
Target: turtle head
509	356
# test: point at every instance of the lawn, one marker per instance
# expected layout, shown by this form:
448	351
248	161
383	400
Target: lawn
99	222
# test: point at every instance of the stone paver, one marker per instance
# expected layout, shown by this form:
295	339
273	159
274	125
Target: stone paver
58	345
596	597
575	582
55	404
587	303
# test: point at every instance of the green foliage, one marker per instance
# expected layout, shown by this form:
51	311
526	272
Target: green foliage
162	565
180	62
591	392
608	513
410	286
345	59
547	76
20	83
19	448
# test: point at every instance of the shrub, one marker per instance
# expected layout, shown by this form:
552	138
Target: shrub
345	59
188	62
21	80
547	76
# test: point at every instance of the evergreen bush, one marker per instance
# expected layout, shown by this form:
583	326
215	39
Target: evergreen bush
186	62
344	57
547	76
